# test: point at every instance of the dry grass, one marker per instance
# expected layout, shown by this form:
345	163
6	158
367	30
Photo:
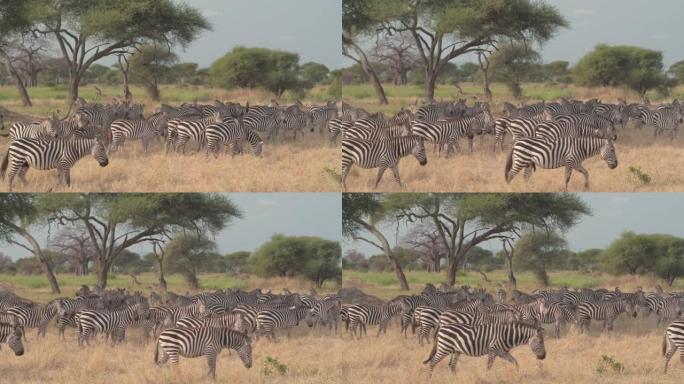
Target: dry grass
635	343
284	166
483	171
51	360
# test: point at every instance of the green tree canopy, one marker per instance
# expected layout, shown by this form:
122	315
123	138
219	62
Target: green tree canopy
536	251
188	254
149	64
236	262
273	70
512	62
314	73
631	253
637	68
676	71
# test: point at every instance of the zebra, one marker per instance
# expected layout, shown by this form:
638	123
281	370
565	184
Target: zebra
670	308
452	316
337	127
231	134
666	118
673	341
601	127
607	311
321	115
493	340
43	130
11	334
528	111
381	154
114	322
568	152
226	320
35	316
268	124
362	315
434	112
295	120
144	130
325	311
193	129
350	113
427	320
269	320
207	341
45	155
449	131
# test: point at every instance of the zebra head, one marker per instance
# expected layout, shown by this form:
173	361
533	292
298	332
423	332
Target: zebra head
608	153
537	344
50	127
14	341
244	350
99	152
418	151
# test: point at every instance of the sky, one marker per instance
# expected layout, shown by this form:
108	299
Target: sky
612	214
311	28
293	214
652	24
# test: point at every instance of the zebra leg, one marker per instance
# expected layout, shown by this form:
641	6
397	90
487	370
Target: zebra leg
584	172
345	173
211	361
381	171
491	356
395	171
453	361
508	357
450	150
568	175
670	350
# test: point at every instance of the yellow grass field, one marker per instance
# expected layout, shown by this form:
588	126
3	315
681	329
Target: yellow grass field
309	355
308	164
483	170
635	343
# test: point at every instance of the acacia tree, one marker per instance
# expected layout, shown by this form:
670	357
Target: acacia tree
18	212
358	22
398	54
188	253
116	222
511	62
149	64
425	240
535	251
444	30
89	30
466	220
363	212
75	243
14	23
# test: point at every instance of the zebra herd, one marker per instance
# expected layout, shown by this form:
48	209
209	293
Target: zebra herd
472	322
544	135
98	129
182	325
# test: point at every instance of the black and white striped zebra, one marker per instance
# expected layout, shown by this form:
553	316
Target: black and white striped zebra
576	126
111	322
359	315
450	131
195	342
35	316
231	134
607	311
337	127
267	124
673	341
11	335
493	340
293	120
45	155
143	130
321	115
327	312
193	129
381	154
663	119
568	152
271	319
42	130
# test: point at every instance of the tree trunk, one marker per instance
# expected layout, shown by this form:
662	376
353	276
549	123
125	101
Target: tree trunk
74	83
430	83
451	272
367	69
487	91
162	280
84	268
511	277
102	275
387	249
671	280
38	253
54	285
25	98
436	264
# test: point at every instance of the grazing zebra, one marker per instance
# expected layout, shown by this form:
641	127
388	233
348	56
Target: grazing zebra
195	342
231	134
271	319
45	155
381	154
337	127
607	311
144	130
362	315
185	130
268	124
493	340
35	316
568	152
11	334
43	130
673	341
325	311
449	131
114	322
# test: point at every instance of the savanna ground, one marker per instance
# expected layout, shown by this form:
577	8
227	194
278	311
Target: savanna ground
483	171
51	360
307	164
632	353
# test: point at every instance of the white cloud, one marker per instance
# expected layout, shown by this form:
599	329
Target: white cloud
583	11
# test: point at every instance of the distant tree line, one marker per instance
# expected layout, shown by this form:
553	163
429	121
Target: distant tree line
540	252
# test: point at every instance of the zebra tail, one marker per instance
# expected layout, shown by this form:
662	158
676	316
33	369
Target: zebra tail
3	168
156	352
433	352
509	165
664	343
